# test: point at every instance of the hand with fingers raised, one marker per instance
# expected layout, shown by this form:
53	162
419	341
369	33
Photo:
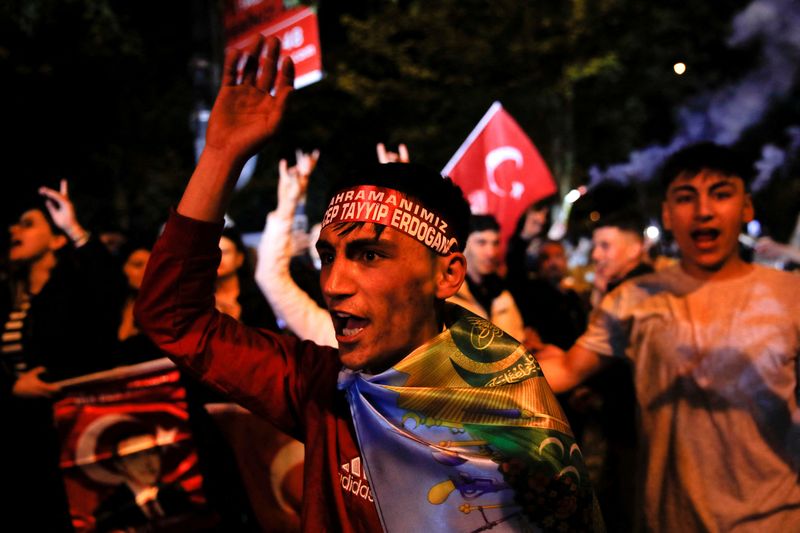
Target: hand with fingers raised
250	103
30	385
246	113
293	181
385	156
62	211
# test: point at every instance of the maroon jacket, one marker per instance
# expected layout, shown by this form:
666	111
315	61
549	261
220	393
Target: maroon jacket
289	382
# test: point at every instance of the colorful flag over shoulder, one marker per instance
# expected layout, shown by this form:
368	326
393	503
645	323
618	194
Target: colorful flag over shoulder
500	170
464	434
127	454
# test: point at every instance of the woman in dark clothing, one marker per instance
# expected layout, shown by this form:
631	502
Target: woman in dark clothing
523	247
58	321
237	293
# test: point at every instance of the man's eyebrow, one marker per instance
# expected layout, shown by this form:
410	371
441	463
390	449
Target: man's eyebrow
682	188
724	182
357	245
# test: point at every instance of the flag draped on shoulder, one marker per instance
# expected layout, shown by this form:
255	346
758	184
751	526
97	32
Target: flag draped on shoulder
500	170
464	434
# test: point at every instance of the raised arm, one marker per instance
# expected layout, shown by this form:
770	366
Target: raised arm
246	113
62	211
291	303
386	156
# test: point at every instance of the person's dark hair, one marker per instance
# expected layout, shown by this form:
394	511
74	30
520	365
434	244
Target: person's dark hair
37	202
245	272
428	186
705	156
537	264
133	243
539	205
235	236
627	220
483	223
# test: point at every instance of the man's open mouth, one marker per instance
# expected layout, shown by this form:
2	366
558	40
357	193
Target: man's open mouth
705	236
347	325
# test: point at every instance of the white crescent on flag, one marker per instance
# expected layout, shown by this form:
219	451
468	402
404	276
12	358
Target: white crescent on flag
493	160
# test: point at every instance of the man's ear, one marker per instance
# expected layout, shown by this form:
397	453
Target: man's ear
450	274
58	241
748	212
665	218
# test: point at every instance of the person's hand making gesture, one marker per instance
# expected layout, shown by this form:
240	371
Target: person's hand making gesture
386	156
246	113
251	100
62	211
293	181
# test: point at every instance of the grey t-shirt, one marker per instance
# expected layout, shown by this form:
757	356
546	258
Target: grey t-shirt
716	369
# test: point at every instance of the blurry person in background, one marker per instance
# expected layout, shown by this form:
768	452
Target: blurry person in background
618	251
523	247
553	313
236	293
134	346
295	306
60	312
484	291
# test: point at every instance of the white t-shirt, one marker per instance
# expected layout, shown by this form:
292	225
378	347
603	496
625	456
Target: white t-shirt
716	370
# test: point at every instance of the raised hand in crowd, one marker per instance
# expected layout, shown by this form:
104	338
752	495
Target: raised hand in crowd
244	116
62	211
385	156
776	251
29	385
293	181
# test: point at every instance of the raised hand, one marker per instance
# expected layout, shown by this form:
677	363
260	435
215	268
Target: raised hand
401	156
29	385
250	103
62	211
293	181
248	109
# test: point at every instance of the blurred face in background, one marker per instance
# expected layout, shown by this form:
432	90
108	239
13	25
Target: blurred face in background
482	253
231	259
552	262
32	237
535	220
134	267
616	252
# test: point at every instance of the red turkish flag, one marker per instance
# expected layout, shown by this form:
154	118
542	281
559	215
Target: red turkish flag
500	170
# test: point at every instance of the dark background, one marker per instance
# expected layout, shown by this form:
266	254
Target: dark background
102	92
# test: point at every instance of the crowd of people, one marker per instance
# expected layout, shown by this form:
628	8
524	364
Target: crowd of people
678	384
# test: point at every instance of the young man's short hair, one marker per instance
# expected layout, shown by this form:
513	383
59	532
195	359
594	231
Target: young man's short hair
483	223
628	221
428	186
705	156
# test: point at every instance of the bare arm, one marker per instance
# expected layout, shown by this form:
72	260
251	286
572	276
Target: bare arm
564	371
244	116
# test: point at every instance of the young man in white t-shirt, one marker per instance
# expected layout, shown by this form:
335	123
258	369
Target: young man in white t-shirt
714	343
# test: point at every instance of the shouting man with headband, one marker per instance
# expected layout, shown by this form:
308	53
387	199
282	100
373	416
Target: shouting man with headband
426	416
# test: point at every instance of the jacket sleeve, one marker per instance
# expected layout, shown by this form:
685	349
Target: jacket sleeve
291	303
175	308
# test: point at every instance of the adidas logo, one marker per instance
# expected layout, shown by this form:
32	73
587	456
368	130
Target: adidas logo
353	480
